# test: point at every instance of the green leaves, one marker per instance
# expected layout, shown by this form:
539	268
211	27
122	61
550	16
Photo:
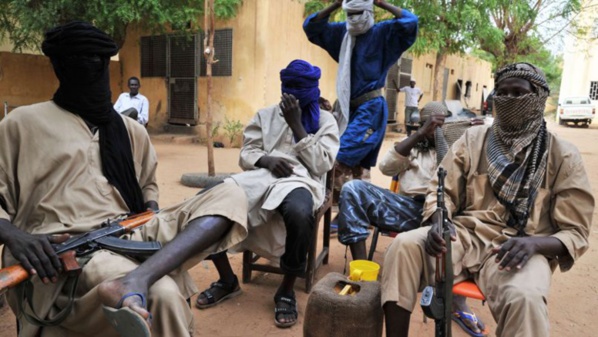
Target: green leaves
226	9
313	6
23	22
499	31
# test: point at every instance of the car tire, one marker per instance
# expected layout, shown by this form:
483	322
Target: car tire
561	122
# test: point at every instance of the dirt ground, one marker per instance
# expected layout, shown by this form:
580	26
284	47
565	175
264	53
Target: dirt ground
571	303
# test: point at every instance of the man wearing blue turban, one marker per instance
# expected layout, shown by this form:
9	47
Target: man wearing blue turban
364	51
287	150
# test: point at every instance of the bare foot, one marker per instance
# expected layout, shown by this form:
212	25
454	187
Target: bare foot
111	293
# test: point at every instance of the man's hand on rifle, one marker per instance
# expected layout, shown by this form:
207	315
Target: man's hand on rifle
435	244
35	253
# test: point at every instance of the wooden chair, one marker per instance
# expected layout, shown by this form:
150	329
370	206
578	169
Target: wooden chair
314	260
467	288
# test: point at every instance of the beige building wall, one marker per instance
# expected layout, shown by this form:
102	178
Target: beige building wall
267	35
460	67
7	46
580	58
27	79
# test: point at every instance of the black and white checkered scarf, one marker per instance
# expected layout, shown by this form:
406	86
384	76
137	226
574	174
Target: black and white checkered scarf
517	148
433	108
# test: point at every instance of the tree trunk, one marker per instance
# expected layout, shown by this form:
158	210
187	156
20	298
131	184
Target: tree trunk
439	75
209	56
511	51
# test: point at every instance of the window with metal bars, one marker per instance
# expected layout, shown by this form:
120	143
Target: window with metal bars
155	52
223	45
594	90
405	69
153	56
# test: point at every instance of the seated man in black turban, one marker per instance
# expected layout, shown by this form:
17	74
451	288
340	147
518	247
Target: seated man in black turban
69	164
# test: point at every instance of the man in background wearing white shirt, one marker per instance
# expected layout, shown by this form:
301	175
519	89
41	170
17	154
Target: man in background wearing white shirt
133	99
413	95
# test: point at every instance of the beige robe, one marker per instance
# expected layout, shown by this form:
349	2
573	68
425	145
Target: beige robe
51	175
268	134
563	209
51	182
415	170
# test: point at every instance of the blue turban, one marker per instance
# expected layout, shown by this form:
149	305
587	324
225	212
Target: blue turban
300	79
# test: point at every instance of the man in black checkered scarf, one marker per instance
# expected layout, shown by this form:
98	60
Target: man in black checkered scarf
517	143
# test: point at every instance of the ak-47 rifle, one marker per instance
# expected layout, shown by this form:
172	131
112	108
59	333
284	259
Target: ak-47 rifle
437	302
106	237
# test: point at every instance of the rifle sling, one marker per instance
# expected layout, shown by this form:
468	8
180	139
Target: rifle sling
120	246
24	293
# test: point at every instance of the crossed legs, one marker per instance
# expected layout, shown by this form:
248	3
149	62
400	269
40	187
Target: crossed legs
297	212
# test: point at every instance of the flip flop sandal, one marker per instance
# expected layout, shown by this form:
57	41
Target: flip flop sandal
463	318
284	310
126	321
233	289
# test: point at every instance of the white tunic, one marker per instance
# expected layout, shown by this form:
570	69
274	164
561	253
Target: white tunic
268	134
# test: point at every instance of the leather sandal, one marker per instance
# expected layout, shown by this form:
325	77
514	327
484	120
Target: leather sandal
231	289
278	310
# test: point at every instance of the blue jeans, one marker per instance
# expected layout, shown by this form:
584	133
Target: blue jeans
362	204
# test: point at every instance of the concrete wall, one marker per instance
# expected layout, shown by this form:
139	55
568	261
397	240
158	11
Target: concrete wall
27	79
267	35
7	46
580	59
461	67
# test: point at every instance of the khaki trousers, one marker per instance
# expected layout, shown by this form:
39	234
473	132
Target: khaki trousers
517	299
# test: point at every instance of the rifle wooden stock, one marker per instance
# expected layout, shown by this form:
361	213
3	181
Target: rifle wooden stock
13	275
137	220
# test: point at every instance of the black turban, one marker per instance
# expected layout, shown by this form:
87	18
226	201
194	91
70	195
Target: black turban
80	54
76	38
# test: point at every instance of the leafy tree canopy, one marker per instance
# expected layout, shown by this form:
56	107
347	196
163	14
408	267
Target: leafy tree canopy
524	27
443	25
499	31
23	22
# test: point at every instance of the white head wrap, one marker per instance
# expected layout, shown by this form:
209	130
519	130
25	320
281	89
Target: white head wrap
356	25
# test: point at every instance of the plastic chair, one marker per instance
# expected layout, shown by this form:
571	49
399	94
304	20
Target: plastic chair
466	288
314	260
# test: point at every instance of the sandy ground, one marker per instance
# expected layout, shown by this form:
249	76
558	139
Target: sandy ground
571	302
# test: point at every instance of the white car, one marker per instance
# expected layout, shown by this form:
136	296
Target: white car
578	110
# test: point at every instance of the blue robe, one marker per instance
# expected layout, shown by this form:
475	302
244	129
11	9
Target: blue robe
374	53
